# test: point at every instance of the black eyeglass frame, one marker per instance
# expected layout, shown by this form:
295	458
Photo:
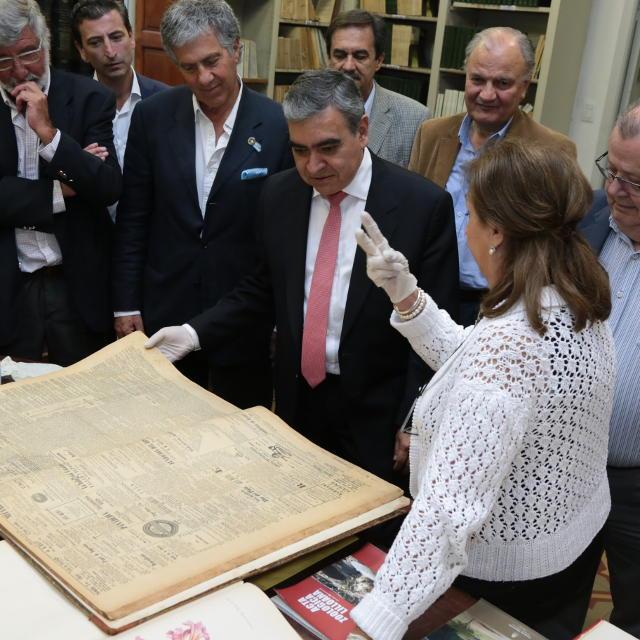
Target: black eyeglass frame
607	174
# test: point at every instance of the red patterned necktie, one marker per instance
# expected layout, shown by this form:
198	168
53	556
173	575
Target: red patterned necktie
314	335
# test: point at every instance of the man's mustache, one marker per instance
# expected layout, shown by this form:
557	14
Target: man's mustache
354	75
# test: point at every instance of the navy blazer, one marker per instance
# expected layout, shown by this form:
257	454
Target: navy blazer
416	216
595	225
149	86
169	261
83	111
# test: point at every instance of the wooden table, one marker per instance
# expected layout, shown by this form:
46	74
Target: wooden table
443	609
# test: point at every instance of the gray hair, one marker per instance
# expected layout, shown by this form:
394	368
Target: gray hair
186	20
17	15
314	91
493	35
628	122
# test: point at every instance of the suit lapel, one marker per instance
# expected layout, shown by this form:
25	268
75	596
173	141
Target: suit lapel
380	120
182	146
59	100
296	229
381	204
247	125
8	158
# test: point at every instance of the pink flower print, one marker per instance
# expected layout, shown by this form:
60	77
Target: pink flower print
189	631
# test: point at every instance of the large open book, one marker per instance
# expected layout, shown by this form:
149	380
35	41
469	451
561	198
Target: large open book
31	609
135	490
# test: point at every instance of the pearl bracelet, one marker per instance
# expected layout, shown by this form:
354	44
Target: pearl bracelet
416	308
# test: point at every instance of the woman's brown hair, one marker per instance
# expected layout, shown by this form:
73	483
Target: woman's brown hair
536	196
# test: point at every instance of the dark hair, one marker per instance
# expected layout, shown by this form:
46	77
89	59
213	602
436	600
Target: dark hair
358	18
93	10
313	91
536	195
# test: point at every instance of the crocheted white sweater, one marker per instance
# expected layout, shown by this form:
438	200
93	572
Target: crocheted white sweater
508	466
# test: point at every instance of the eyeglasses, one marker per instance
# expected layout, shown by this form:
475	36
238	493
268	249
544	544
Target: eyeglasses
28	57
607	174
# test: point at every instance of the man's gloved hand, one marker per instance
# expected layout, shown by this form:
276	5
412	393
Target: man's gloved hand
387	268
174	342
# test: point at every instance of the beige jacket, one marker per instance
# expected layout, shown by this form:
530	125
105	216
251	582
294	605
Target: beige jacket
436	145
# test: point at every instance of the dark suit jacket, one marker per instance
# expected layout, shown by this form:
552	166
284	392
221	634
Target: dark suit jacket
169	262
595	225
82	110
417	218
149	86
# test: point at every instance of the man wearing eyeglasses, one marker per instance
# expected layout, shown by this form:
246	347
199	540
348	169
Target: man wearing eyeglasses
54	224
613	229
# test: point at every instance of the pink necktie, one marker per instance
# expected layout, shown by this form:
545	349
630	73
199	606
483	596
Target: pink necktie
314	334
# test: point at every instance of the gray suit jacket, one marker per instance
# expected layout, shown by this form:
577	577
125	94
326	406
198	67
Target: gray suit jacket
393	124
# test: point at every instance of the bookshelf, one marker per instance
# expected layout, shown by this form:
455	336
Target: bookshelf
421	66
562	24
300	39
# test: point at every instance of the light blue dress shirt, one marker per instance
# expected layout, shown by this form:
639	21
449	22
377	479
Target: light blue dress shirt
458	185
622	262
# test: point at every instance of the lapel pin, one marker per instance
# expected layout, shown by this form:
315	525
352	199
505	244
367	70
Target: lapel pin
255	144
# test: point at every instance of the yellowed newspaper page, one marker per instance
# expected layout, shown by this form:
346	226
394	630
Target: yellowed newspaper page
131	484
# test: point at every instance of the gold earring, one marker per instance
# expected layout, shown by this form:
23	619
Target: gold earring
492	250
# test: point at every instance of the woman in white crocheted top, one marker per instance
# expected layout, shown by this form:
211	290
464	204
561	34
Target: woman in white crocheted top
509	440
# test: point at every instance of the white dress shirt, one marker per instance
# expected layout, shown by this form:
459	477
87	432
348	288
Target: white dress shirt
122	119
121	124
35	248
352	207
369	101
209	150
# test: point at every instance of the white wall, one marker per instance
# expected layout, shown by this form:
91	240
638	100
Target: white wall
602	75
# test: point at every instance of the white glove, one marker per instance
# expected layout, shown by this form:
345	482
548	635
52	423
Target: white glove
387	268
174	342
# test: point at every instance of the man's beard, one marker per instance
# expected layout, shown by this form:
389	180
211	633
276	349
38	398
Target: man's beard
12	83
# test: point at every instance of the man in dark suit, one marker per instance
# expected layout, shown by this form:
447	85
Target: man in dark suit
612	227
196	160
102	34
353	399
54	226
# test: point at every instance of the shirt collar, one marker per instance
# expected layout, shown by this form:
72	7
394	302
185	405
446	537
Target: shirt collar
359	186
135	85
465	128
621	234
231	118
44	83
369	101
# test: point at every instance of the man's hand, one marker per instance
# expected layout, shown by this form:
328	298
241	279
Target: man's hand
387	268
174	342
31	101
124	325
401	452
96	150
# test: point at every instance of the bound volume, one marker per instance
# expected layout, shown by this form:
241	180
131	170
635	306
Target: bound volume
135	490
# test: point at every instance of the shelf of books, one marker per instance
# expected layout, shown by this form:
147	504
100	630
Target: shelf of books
300	43
557	29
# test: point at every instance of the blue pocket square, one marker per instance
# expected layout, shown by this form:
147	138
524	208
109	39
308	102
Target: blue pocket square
252	174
